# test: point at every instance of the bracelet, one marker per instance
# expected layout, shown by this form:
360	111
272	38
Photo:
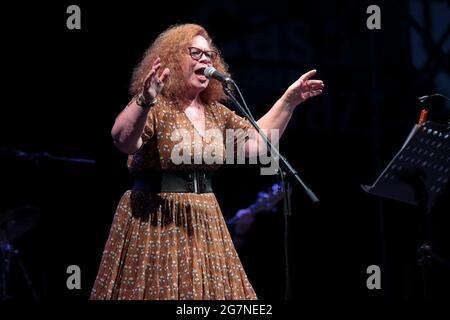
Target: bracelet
141	102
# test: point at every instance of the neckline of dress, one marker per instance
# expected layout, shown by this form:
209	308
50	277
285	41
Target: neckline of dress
205	107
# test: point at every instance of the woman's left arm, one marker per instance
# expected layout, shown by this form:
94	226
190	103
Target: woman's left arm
280	114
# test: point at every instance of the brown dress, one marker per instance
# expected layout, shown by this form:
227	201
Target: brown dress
173	245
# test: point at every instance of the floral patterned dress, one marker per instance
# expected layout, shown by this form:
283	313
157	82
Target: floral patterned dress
173	245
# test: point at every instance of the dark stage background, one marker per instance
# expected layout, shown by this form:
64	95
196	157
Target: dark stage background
63	89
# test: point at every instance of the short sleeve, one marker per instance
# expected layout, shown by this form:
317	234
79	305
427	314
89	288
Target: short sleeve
237	130
148	131
233	121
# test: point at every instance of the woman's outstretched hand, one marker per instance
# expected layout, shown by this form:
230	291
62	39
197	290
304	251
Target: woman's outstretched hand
154	83
303	89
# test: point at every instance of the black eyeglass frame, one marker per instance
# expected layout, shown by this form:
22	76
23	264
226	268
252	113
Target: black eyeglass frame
210	54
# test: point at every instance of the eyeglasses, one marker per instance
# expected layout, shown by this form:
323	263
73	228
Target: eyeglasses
197	53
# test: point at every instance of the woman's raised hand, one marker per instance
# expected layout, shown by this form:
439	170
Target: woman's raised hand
303	89
154	83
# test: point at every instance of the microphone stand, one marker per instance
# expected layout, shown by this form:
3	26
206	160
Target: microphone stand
284	171
274	150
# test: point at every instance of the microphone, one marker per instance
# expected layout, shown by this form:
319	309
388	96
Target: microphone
211	72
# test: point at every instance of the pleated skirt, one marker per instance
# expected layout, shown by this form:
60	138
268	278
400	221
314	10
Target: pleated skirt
170	246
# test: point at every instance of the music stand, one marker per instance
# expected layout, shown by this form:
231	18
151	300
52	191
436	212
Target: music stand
418	174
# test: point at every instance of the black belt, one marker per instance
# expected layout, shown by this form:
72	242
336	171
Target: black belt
188	181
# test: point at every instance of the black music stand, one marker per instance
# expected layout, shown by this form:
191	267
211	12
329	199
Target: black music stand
418	174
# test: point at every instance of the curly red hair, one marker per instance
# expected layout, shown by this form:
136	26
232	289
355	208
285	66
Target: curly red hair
169	46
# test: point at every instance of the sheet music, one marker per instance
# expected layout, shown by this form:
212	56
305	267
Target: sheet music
419	169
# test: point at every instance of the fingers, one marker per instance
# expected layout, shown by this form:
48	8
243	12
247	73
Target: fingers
314	82
156	65
315	93
316	86
152	79
149	77
313	85
164	75
159	80
308	75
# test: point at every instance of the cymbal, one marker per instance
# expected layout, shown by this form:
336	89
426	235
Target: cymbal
15	222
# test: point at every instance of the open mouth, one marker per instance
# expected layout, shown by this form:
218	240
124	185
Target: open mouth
200	72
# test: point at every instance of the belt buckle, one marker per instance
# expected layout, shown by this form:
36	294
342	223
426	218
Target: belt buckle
197	181
195	178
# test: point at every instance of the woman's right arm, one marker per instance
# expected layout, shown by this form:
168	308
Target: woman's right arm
130	123
129	127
